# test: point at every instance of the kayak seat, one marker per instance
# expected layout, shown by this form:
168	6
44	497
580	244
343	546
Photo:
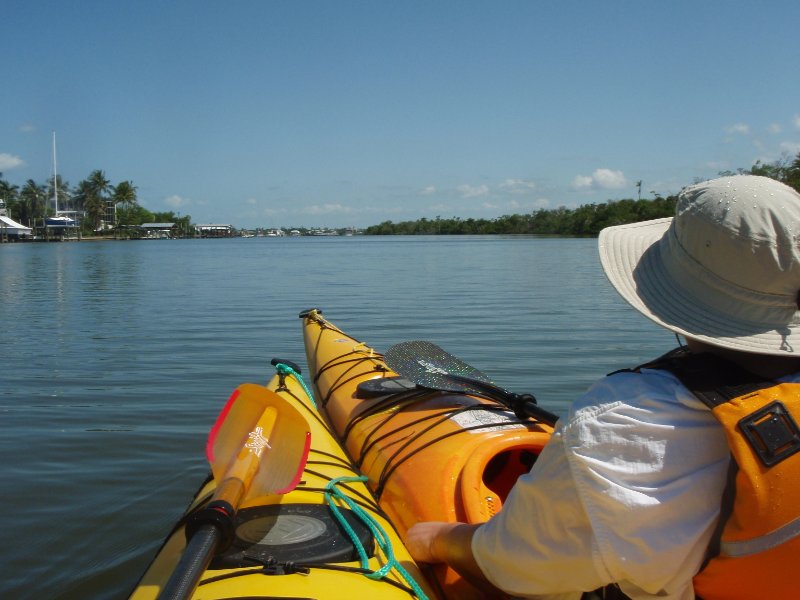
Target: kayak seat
490	472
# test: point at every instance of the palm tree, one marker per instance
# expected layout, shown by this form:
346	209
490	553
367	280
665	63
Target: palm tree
63	191
8	191
98	182
80	194
124	193
100	186
8	195
95	208
33	202
92	195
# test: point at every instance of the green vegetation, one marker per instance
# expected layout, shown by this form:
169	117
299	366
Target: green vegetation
107	208
588	219
785	170
115	209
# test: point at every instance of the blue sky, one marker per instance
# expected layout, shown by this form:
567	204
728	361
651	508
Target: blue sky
338	113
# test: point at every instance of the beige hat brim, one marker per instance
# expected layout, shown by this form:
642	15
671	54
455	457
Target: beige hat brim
672	291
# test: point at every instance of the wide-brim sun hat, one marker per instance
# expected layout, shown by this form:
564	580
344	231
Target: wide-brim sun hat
725	270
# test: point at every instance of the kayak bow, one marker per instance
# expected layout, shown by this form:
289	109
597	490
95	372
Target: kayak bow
429	455
324	537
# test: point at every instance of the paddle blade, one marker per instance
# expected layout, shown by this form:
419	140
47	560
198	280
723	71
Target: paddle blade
430	366
427	365
260	439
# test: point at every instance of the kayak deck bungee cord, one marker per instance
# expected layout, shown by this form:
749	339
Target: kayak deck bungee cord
325	538
308	501
449	451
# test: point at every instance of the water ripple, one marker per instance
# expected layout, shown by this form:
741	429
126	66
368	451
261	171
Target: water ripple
119	356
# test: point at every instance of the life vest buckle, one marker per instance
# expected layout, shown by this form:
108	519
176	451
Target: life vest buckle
772	433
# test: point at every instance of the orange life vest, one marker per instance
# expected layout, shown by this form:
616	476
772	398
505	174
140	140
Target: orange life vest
757	544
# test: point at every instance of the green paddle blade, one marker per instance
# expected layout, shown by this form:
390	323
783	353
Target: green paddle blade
259	440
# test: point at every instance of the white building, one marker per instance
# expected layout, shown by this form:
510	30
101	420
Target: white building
9	227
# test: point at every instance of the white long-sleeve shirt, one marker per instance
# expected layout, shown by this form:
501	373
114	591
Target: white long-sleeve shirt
627	491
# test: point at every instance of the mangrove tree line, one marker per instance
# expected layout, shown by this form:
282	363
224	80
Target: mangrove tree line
587	219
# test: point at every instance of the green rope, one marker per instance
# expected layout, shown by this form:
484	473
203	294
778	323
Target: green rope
287	370
332	491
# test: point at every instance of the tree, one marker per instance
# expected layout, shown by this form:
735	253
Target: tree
183	225
95	208
79	195
93	195
8	191
64	195
101	187
98	183
9	194
32	202
784	170
776	170
124	193
793	173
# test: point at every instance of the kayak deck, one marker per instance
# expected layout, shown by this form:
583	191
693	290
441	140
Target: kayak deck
428	455
292	545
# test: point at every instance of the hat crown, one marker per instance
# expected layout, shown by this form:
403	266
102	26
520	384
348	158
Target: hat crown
744	230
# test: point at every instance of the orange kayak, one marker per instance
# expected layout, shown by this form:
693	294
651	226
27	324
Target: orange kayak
429	455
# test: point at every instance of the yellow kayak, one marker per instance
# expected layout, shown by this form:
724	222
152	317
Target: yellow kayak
428	454
325	538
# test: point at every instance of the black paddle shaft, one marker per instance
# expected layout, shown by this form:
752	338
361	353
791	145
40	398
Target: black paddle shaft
523	405
198	554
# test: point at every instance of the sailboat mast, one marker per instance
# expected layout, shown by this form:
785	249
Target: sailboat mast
55	175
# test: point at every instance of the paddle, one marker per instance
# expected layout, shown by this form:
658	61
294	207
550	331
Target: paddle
429	366
257	447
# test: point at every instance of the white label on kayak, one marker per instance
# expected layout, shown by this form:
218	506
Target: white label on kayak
494	421
257	442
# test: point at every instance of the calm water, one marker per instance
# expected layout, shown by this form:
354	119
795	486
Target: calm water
117	356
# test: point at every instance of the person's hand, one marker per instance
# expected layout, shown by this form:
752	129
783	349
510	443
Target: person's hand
451	543
421	540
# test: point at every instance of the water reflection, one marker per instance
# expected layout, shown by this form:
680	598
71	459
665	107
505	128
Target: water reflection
118	356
